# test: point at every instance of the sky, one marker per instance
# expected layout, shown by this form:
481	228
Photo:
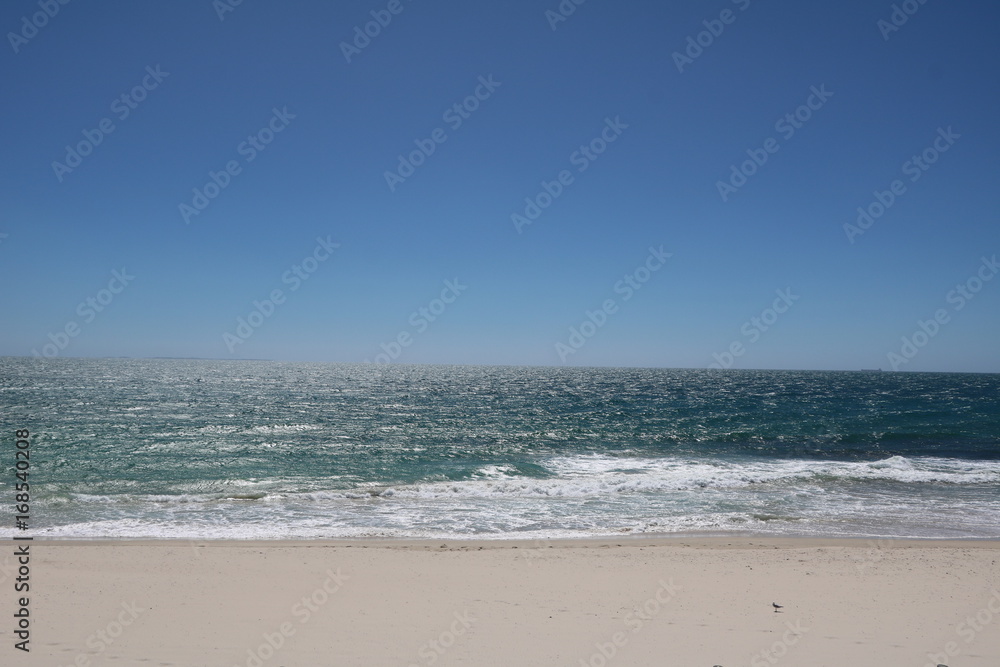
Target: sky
729	184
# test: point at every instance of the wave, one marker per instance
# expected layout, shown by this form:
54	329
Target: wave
598	475
589	476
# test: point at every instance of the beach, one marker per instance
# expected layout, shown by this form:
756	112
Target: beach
258	514
556	334
682	600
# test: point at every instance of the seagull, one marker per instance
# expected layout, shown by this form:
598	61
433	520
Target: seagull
777	607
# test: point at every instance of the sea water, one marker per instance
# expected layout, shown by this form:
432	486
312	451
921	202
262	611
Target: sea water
139	448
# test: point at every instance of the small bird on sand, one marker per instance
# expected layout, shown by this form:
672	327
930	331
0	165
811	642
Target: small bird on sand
777	607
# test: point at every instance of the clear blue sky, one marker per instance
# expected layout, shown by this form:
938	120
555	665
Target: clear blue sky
607	66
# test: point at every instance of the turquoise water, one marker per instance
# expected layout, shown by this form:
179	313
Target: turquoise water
243	449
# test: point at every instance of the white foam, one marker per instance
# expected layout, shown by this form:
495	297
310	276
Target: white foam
599	475
587	495
284	428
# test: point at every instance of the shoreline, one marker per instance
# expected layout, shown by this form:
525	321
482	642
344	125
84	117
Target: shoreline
698	539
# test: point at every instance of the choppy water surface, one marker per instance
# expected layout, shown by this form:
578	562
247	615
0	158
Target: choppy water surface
227	449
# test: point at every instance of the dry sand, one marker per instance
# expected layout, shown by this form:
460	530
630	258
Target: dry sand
689	602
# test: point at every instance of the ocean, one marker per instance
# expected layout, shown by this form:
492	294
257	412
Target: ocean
193	449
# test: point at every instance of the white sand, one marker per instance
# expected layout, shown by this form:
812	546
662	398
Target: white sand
688	602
